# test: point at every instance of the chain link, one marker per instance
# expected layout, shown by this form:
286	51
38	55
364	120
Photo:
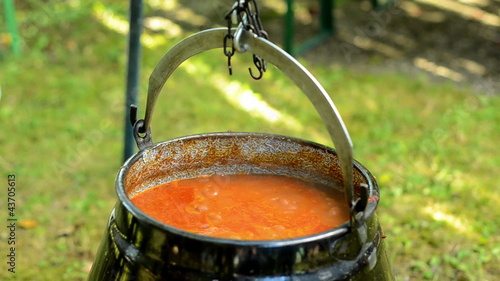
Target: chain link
246	13
229	51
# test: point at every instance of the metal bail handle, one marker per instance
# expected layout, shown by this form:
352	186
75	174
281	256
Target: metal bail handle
245	41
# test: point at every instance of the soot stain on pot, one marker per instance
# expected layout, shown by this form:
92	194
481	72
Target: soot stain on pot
232	154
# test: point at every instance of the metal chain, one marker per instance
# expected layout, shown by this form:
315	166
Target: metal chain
246	13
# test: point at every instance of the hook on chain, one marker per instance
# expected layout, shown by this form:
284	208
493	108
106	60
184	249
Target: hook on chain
260	64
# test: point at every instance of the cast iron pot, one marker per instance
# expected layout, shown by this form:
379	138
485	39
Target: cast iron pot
137	247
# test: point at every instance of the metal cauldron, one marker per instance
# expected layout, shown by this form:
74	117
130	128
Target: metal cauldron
137	247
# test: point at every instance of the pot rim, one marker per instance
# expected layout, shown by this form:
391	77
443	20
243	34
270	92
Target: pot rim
333	233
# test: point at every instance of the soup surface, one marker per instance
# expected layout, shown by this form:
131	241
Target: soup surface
245	207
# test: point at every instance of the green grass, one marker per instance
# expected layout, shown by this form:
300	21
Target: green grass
432	146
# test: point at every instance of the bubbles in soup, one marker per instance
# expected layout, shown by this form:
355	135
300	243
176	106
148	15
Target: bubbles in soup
245	207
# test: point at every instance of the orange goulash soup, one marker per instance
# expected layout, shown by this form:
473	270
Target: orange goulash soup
245	207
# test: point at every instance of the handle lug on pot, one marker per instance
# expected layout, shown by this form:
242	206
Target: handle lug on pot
359	205
141	135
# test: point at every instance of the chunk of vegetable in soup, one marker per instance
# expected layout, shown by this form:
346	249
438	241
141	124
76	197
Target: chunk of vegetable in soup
245	207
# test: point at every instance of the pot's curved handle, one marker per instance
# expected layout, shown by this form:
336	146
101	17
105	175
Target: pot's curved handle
247	41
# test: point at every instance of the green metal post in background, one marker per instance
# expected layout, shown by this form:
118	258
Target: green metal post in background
326	24
326	17
326	27
10	18
133	71
380	6
289	27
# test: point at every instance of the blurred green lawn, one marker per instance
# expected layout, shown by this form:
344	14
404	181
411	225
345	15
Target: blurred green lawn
433	146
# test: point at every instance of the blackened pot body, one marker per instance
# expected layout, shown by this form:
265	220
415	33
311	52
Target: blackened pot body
137	247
